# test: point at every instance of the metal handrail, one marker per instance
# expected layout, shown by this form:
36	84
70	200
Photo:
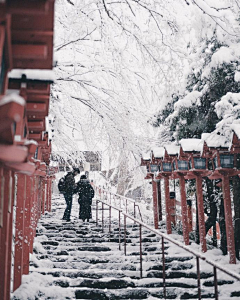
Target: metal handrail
164	236
102	192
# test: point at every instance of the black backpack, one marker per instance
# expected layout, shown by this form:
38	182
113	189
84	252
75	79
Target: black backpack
61	185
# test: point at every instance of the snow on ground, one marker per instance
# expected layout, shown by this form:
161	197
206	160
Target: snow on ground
35	282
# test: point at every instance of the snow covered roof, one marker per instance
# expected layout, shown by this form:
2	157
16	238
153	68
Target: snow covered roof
215	140
28	142
236	129
12	97
146	156
190	145
172	149
45	75
158	152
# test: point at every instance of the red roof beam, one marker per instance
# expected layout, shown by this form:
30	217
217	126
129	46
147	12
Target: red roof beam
37	107
36	126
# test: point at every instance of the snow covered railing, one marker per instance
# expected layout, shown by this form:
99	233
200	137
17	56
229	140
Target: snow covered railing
198	256
127	204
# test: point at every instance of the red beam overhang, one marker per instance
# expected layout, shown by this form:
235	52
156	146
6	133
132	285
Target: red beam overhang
13	153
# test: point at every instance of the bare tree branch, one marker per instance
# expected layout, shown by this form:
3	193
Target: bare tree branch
77	40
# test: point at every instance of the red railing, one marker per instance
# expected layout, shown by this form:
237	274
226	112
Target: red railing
198	256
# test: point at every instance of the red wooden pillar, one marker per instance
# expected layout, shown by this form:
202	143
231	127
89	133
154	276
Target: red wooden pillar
32	229
19	232
47	193
159	197
190	218
39	196
27	223
173	210
184	210
43	194
155	203
6	235
228	219
201	218
167	205
10	233
50	194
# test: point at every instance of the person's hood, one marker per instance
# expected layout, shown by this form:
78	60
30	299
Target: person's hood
84	181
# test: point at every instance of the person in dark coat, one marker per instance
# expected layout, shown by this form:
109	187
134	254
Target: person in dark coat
86	193
69	190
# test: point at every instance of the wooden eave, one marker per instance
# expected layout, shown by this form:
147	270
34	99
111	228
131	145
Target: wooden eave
32	33
10	114
27	168
144	162
28	7
13	153
36	126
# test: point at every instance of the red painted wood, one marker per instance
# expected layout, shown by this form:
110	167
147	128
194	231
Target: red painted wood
19	233
47	194
43	196
228	220
159	196
27	233
36	126
201	217
29	51
184	210
28	7
10	233
155	204
12	153
32	215
190	218
5	239
50	194
37	108
167	205
173	211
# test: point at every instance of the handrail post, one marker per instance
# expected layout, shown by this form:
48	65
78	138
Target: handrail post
125	240
102	217
134	210
215	283
119	228
97	211
163	269
140	236
198	278
110	214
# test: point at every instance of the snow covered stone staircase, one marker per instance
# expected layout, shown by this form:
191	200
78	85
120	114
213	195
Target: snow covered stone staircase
72	260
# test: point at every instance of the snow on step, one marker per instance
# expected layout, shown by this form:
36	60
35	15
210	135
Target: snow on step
78	261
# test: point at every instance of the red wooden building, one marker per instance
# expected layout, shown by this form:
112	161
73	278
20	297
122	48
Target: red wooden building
26	58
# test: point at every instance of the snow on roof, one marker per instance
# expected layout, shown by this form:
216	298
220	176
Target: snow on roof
236	129
172	149
189	145
12	97
215	140
45	75
146	156
28	142
158	152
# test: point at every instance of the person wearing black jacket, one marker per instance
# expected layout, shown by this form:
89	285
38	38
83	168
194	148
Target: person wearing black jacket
69	190
86	193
